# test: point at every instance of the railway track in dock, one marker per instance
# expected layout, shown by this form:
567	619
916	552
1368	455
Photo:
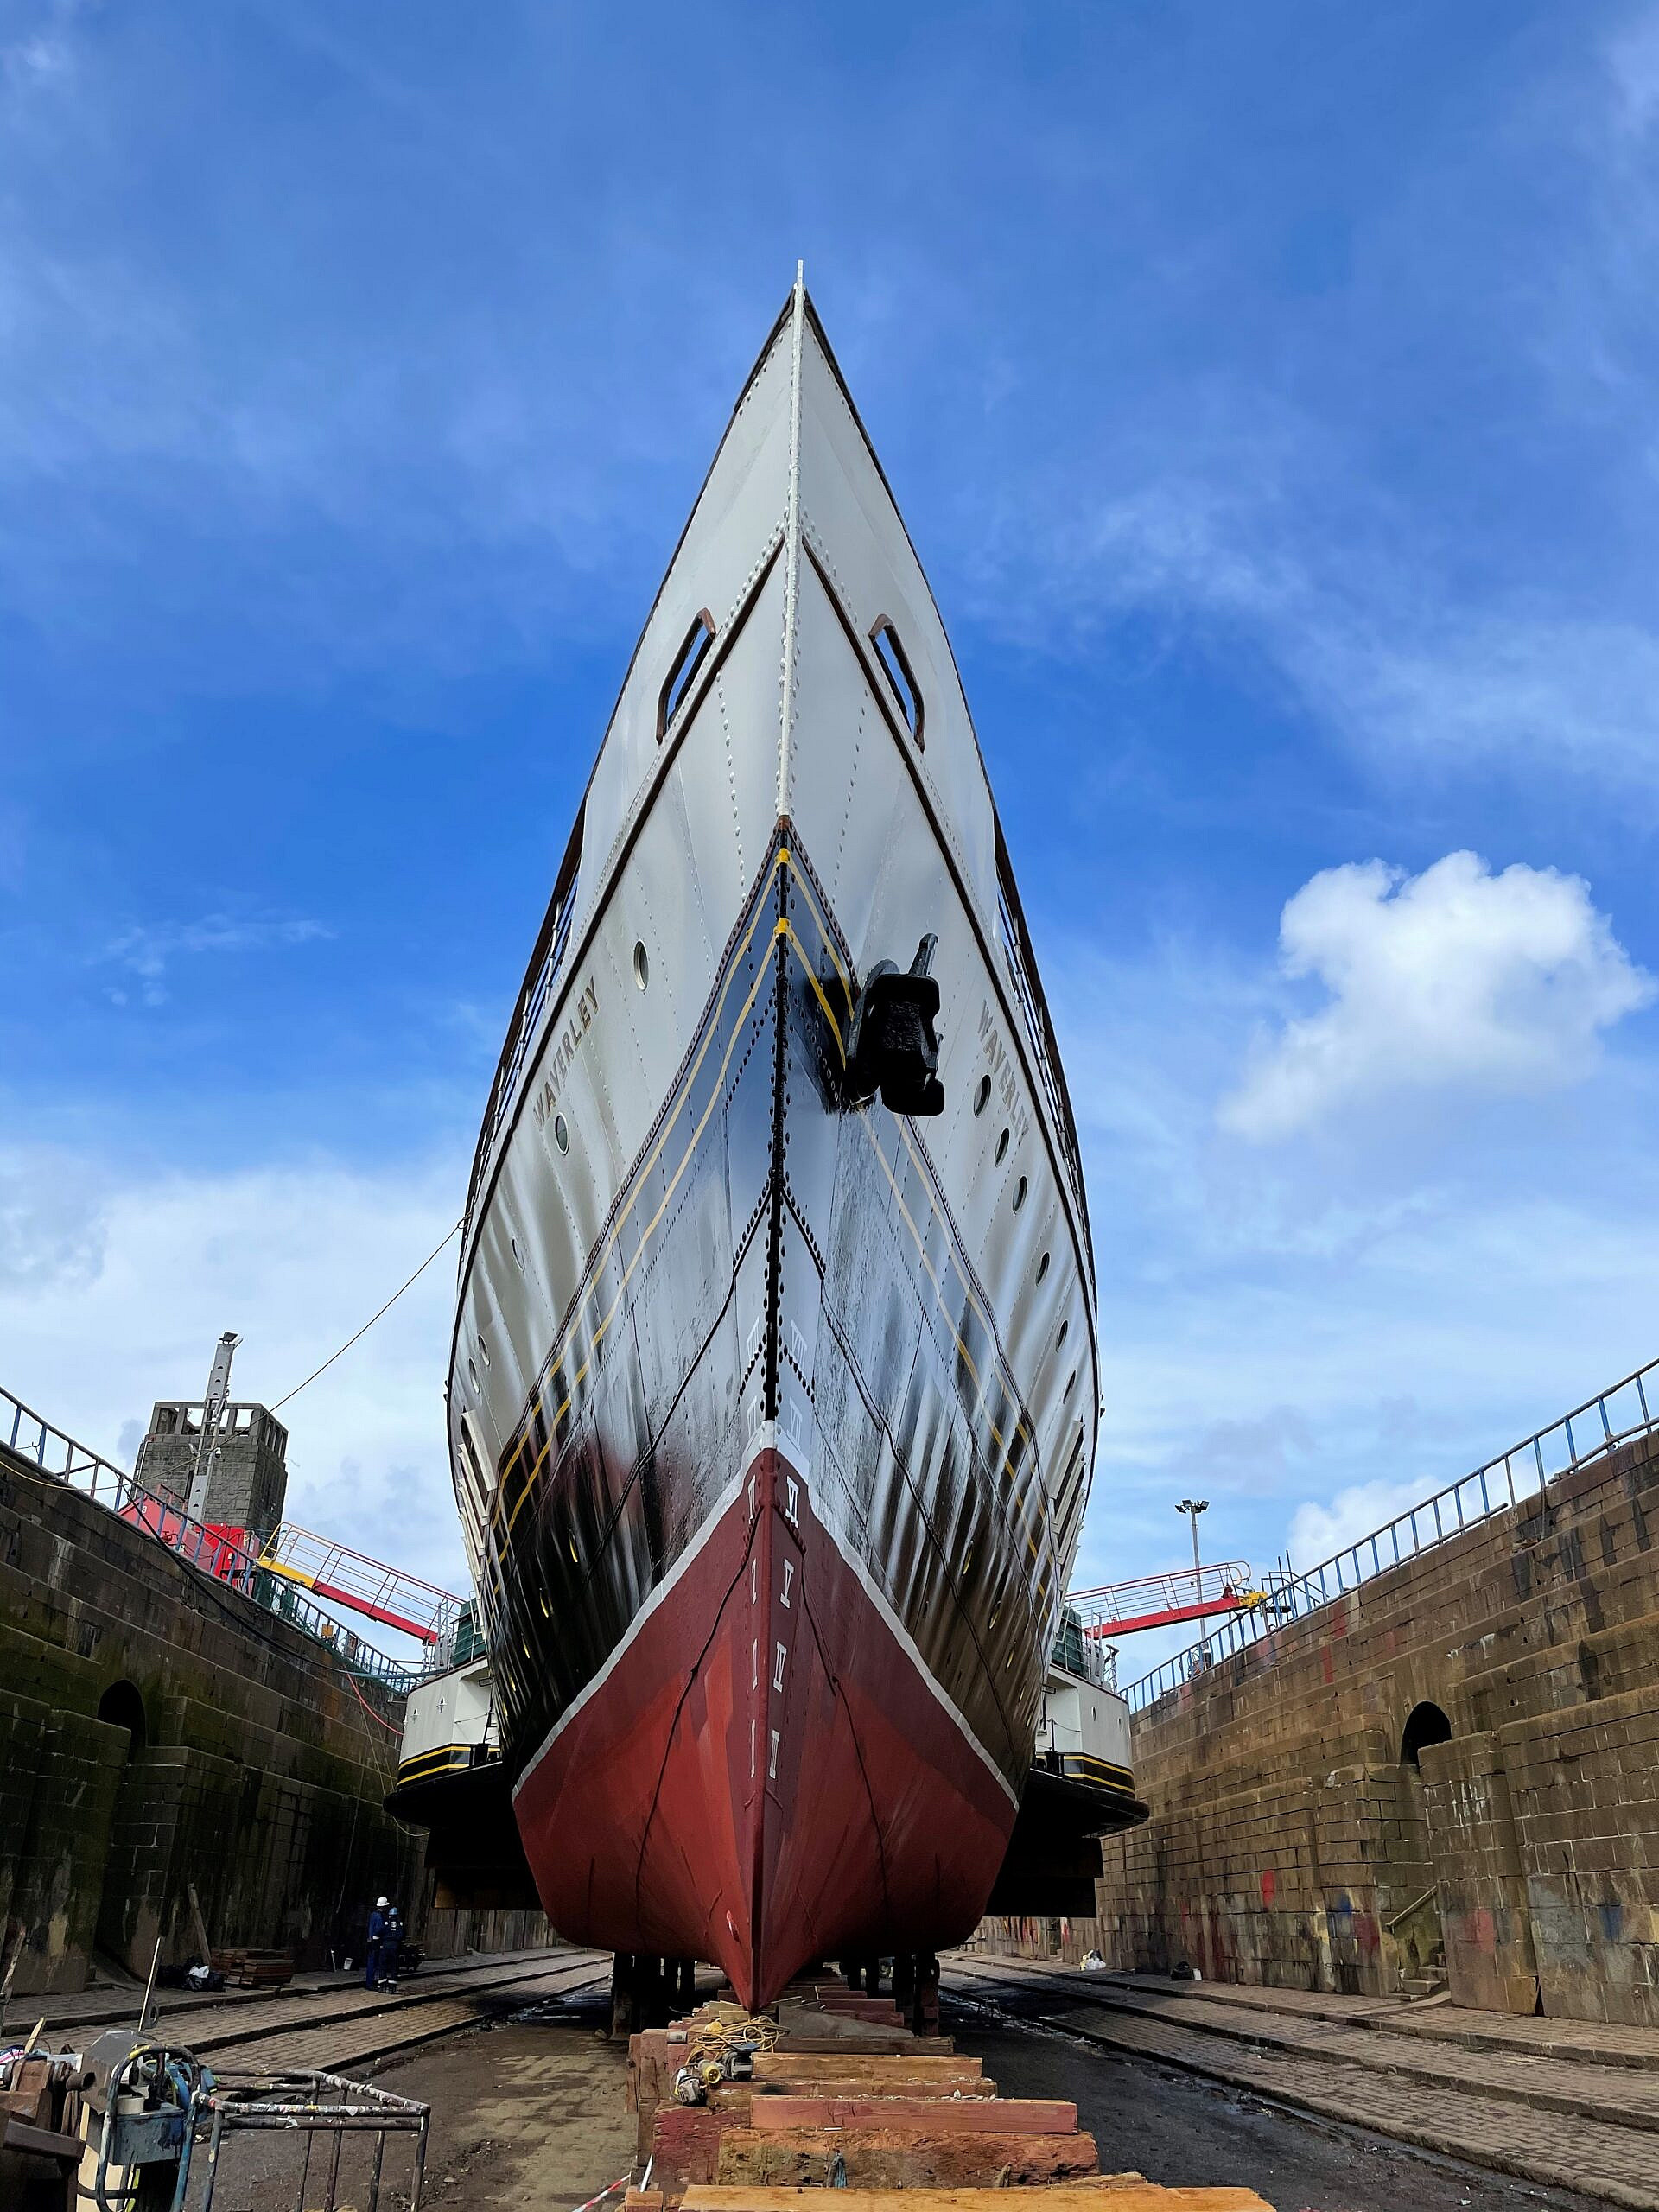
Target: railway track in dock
344	2027
1560	2104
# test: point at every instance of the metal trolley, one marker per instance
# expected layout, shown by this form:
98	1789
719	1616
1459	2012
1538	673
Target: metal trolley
318	2106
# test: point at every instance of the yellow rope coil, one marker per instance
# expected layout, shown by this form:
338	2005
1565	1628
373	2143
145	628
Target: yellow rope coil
708	2039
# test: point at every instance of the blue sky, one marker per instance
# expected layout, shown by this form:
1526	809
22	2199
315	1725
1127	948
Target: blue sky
1270	393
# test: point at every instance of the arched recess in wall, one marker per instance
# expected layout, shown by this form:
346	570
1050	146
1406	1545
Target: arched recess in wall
1425	1724
122	1706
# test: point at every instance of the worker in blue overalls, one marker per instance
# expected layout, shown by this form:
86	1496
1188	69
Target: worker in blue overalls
377	1933
391	1943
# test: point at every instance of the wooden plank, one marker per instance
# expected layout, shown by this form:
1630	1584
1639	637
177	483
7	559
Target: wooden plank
1110	2195
40	2142
900	2158
931	2115
684	2145
823	2033
872	2085
896	2066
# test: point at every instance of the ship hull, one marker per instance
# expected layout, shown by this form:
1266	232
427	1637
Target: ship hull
773	1409
664	1818
737	1616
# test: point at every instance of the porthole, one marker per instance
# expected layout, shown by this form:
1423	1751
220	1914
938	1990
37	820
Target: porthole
1060	1339
483	1351
1001	1148
516	1254
981	1097
473	1371
574	1562
1042	1266
641	966
1020	1194
1071	1382
547	1610
561	1134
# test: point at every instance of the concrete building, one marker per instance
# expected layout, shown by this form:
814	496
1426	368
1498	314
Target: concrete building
247	1481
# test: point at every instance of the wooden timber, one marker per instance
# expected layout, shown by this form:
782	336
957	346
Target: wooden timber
891	2121
935	2115
1108	2193
903	2157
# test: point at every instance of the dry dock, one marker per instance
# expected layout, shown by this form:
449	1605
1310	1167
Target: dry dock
531	2103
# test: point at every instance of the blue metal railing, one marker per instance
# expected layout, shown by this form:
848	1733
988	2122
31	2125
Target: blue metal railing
1629	1408
30	1436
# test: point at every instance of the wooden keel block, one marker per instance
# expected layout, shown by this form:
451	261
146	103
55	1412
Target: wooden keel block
684	2147
928	2115
899	2158
823	2033
889	2066
1106	2195
840	2088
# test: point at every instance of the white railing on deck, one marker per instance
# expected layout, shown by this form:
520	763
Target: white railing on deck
31	1437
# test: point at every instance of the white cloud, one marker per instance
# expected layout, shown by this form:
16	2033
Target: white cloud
145	952
51	1231
1320	1531
113	1290
1456	979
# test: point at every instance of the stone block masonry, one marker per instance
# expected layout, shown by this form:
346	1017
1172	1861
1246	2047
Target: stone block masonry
247	1478
159	1731
1453	1768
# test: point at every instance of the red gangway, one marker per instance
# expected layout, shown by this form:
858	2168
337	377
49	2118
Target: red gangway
1183	1593
340	1576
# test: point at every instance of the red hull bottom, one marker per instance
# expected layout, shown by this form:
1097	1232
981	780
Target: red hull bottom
762	1776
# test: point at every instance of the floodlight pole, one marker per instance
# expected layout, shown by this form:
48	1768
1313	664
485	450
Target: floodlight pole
213	1413
1192	1507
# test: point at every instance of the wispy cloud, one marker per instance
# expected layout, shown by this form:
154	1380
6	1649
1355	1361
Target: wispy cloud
151	1267
37	48
146	951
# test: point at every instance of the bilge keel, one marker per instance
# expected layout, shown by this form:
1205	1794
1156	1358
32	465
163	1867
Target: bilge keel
772	1395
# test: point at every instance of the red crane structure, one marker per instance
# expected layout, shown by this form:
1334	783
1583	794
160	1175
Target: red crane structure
1183	1593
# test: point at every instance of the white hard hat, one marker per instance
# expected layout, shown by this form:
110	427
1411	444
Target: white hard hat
380	1903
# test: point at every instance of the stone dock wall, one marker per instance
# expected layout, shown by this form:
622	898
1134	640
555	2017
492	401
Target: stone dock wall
158	1730
1308	1831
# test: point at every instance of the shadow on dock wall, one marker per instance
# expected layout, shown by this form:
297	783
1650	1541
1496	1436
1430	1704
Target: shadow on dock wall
1454	1769
157	1731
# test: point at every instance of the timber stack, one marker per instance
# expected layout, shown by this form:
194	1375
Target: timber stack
833	2089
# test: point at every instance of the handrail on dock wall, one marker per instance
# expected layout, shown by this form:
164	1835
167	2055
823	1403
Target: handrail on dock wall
30	1436
1629	1408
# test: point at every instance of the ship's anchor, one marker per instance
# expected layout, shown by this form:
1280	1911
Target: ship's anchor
894	1048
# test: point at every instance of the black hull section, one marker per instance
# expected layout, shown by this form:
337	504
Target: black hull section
776	1263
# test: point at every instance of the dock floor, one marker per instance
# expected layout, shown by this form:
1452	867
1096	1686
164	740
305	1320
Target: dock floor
1572	2105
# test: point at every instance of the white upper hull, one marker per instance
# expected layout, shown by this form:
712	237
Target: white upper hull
796	554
